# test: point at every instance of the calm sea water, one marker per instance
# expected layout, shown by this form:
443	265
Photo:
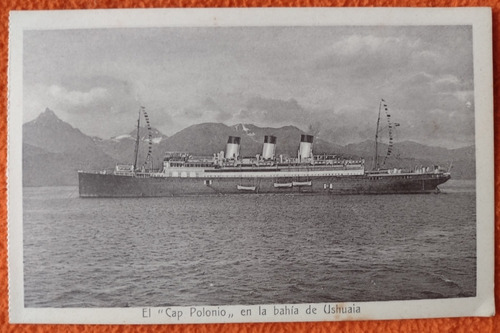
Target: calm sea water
247	249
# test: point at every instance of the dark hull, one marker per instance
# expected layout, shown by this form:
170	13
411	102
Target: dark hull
109	185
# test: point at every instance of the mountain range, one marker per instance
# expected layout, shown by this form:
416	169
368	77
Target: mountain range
53	150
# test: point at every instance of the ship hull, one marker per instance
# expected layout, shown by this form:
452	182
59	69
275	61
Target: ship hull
111	185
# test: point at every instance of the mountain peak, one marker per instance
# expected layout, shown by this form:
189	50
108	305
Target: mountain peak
156	135
48	113
144	131
49	132
47	117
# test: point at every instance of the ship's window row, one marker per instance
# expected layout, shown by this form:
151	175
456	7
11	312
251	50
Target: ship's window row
392	177
192	174
207	175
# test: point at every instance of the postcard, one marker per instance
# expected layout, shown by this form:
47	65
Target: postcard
250	165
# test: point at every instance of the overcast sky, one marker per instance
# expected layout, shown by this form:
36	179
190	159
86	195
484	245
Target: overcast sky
328	78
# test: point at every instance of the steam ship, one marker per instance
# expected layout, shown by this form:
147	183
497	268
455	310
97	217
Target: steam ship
227	172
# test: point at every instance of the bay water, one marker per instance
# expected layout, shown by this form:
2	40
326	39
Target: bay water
247	249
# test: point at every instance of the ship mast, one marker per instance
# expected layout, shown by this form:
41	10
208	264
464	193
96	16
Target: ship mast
136	153
375	158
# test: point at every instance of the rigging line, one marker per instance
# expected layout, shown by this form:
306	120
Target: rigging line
391	128
150	141
389	125
142	110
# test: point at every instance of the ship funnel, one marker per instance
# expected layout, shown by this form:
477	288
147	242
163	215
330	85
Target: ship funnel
269	147
305	149
233	147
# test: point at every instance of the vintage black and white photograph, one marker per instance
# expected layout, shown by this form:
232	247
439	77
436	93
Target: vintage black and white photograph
237	165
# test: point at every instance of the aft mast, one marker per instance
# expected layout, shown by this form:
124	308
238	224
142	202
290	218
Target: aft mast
375	158
136	153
